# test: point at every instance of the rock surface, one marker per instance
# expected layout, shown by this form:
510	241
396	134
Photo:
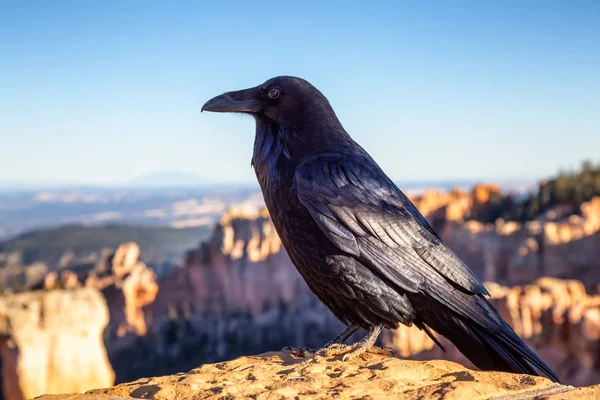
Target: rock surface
51	342
281	376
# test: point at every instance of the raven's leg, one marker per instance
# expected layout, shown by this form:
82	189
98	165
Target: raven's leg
354	350
343	335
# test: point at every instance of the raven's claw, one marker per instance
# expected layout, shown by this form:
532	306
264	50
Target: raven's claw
302	351
350	351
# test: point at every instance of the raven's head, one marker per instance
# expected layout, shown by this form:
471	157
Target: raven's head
293	118
284	100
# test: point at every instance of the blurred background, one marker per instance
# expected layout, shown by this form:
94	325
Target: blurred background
133	238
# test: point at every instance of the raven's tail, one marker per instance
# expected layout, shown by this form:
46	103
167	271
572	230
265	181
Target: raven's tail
497	350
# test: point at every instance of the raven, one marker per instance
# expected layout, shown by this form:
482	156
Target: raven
360	244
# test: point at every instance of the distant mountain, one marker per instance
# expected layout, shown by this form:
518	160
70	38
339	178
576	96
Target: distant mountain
167	179
196	205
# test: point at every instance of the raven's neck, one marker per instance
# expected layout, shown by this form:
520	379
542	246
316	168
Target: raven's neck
272	159
279	149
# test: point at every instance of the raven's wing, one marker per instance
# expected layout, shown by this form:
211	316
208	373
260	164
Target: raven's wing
364	214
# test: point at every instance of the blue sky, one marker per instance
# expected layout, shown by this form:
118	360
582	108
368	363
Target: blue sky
102	92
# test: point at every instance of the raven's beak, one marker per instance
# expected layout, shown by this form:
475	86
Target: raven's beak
245	101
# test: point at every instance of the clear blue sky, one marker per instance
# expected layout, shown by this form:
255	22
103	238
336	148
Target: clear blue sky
104	91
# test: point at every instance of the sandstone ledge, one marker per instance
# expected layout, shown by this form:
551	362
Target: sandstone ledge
278	375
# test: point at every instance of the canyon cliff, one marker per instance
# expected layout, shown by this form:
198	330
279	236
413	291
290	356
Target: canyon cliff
562	246
238	293
242	268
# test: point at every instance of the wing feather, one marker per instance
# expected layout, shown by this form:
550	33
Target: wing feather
364	214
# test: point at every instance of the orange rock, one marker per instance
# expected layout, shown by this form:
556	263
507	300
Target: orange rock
69	280
125	259
514	252
51	280
481	193
230	271
52	343
451	206
139	289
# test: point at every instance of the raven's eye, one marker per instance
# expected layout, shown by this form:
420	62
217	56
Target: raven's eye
274	93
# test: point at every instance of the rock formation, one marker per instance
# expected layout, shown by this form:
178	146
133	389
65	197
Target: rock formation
241	269
514	253
454	205
281	376
123	282
556	244
51	342
128	286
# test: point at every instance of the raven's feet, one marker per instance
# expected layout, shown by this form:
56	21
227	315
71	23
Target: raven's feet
307	351
300	351
384	351
343	335
351	351
354	350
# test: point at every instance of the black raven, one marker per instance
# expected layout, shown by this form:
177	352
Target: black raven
361	245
